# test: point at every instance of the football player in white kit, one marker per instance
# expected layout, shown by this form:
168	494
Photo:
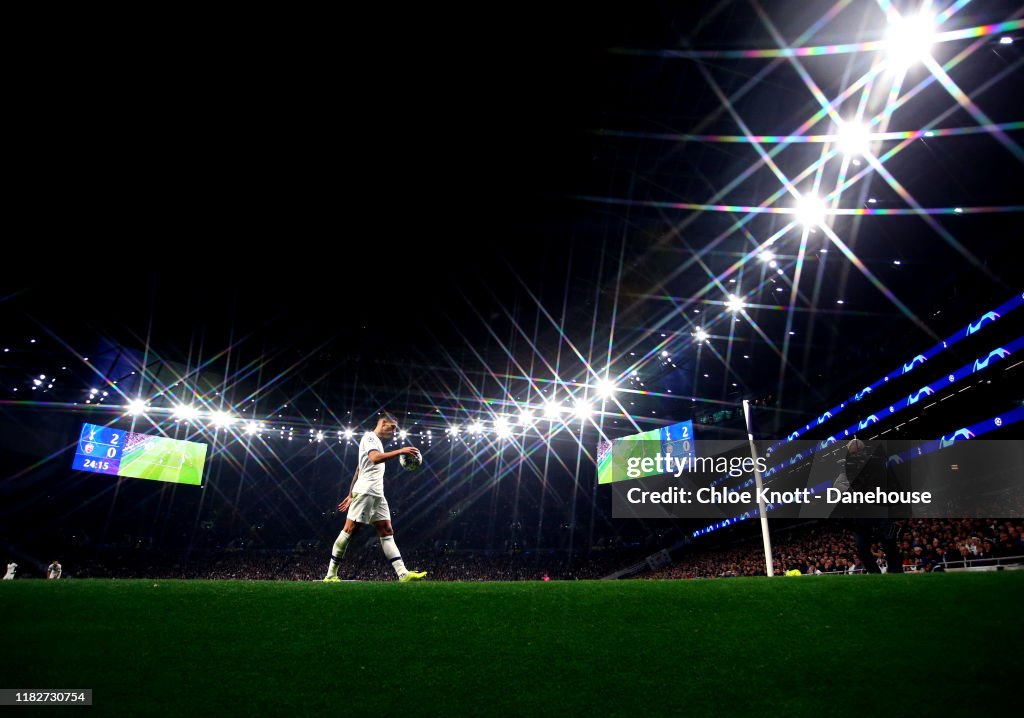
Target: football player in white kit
53	570
11	568
366	503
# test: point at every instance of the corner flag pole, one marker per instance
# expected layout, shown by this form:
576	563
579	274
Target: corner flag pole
768	564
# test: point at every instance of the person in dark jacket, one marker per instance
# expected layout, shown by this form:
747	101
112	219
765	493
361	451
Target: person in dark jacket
866	469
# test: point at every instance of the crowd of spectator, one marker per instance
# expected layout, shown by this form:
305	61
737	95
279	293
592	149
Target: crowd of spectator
923	545
818	549
364	564
926	544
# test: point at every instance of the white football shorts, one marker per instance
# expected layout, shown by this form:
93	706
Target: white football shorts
366	509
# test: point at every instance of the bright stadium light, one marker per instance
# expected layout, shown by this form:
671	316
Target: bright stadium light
606	388
526	417
453	430
252	428
319	436
501	427
810	210
403	434
185	412
222	419
583	409
552	410
348	433
476	427
734	304
854	139
136	407
909	40
767	256
701	336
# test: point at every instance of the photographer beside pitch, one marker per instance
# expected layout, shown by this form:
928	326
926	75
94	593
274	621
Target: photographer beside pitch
365	502
865	469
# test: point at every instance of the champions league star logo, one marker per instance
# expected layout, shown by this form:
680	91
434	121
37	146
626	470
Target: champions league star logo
958	435
987	317
916	396
919	359
999	353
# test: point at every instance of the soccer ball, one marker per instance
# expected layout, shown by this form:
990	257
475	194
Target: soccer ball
409	462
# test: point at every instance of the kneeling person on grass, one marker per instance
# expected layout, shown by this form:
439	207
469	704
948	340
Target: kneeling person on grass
366	503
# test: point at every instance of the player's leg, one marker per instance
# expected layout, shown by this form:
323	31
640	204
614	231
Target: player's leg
339	548
359	513
386	533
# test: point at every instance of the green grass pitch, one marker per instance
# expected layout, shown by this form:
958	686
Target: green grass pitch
615	463
911	645
163	459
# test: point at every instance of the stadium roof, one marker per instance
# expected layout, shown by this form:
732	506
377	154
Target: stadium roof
457	220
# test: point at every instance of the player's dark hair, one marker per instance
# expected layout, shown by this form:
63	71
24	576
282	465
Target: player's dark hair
387	416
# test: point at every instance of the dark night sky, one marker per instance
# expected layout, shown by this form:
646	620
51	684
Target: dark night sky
383	209
415	173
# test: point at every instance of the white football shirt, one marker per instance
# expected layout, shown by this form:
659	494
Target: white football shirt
54	570
371	476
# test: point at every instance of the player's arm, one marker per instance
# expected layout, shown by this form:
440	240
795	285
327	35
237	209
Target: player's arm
379	457
343	506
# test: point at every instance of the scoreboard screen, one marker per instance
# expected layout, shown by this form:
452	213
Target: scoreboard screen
675	440
107	450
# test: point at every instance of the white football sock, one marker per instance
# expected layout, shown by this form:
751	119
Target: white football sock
338	553
387	543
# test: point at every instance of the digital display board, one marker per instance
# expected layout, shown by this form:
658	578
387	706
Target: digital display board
675	440
117	452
